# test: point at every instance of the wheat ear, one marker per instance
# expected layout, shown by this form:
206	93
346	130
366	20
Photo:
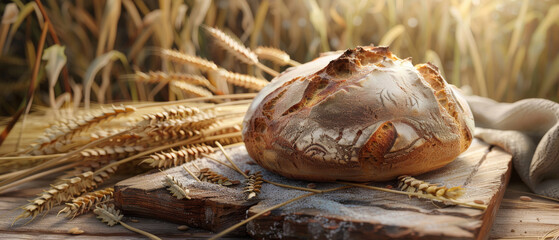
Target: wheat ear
109	152
411	184
111	216
419	195
253	185
87	202
243	80
184	58
238	50
207	175
275	55
173	158
57	194
175	187
177	112
192	89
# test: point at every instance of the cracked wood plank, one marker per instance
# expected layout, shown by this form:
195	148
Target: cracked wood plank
346	214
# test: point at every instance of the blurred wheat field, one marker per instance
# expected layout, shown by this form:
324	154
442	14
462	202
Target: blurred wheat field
503	49
156	84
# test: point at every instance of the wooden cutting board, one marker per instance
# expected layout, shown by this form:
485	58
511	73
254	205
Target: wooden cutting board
353	213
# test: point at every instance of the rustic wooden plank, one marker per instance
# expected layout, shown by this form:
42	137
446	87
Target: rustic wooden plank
538	217
517	219
353	213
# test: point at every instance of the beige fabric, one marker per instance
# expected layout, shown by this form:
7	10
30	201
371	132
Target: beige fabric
529	130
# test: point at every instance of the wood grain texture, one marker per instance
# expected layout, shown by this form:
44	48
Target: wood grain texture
353	213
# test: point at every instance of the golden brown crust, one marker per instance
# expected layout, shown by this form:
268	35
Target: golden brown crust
366	115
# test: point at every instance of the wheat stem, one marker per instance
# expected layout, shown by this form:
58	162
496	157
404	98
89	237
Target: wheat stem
293	187
267	69
222	163
38	175
229	159
191	174
228	230
47	156
294	63
133	229
190	100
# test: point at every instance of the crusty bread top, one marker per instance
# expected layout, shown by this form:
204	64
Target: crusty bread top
361	110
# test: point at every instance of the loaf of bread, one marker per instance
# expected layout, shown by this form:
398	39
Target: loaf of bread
361	115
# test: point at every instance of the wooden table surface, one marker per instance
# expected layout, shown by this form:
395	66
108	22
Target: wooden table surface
516	219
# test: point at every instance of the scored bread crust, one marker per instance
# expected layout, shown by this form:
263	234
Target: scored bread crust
361	115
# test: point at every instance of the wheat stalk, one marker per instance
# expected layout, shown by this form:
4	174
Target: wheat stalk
411	184
238	50
87	202
173	113
192	89
207	175
65	130
196	122
111	216
243	80
109	152
184	58
175	187
57	194
275	55
172	158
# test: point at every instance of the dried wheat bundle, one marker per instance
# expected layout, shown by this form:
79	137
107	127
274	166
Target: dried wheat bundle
273	54
175	187
87	202
410	184
57	194
158	76
237	49
184	58
207	175
253	185
191	89
173	158
65	130
243	80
